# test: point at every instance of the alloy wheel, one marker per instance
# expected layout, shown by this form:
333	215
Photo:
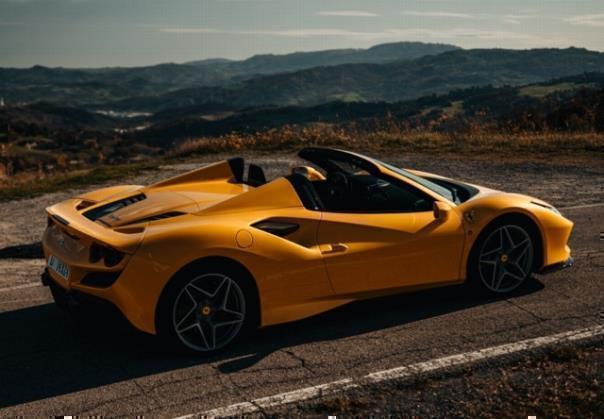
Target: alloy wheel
505	259
209	312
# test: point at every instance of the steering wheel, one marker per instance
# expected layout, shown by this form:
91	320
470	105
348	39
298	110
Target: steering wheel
376	190
338	184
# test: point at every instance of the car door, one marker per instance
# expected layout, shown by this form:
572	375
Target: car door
372	250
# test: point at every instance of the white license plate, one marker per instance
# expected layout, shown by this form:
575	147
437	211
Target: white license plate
58	266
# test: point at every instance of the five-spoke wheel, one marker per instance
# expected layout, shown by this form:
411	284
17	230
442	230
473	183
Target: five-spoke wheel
505	258
208	312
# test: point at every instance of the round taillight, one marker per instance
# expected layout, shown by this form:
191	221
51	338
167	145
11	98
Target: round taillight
96	253
112	257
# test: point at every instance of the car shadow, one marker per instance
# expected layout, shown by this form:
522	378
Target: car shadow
46	353
23	251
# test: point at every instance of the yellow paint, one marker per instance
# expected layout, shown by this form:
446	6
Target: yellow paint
332	259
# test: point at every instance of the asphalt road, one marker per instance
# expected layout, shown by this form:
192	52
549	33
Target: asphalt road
51	364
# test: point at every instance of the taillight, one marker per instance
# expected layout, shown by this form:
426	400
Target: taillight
110	256
96	253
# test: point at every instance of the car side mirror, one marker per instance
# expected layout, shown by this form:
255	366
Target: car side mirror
441	210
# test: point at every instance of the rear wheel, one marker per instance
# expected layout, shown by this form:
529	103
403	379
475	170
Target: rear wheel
205	311
60	297
503	259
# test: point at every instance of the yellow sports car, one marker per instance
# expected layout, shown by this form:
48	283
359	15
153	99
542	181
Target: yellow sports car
202	257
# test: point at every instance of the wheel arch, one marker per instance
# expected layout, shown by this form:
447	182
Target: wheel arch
217	262
520	218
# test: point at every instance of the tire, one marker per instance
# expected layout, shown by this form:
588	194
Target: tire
502	259
206	308
60	297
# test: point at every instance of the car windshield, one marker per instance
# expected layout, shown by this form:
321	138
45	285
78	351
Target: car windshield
444	192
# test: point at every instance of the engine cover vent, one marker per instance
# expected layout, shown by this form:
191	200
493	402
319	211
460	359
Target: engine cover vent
103	210
161	216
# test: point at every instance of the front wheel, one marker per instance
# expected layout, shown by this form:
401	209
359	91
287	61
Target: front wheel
503	259
205	312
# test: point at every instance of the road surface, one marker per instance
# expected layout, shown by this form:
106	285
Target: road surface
53	365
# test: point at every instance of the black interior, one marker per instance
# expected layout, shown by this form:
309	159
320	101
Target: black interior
353	184
255	175
365	193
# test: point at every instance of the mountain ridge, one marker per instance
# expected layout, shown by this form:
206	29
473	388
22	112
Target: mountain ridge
389	82
75	86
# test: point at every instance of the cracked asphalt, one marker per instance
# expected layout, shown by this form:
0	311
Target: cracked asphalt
51	364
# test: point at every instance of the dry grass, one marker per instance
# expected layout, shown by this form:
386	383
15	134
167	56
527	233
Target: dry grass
381	138
395	139
29	185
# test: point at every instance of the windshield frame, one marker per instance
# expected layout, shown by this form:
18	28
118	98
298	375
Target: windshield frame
433	187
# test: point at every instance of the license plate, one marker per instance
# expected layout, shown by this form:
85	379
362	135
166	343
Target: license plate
58	266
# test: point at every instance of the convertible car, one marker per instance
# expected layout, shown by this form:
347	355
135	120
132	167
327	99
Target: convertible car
200	258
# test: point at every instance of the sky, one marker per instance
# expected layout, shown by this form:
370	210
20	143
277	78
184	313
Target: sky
101	33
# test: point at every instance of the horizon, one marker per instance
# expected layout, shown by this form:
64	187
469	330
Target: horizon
289	53
136	33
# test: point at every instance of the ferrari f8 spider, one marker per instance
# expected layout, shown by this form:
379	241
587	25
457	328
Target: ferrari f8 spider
202	257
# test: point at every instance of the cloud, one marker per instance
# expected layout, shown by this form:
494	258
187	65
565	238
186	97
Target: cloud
514	19
386	34
189	30
347	13
292	33
595	20
439	14
517	19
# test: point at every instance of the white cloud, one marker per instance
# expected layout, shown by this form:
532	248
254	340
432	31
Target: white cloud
595	20
189	30
517	19
438	14
440	35
293	33
347	13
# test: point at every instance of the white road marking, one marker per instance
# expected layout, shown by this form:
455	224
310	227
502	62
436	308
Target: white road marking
18	287
397	373
581	206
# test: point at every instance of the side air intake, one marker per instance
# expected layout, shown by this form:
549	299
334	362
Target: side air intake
103	210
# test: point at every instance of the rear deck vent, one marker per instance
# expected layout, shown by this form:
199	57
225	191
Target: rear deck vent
99	212
84	204
161	216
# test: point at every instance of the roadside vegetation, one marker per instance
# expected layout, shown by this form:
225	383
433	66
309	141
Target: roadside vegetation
32	185
564	381
388	136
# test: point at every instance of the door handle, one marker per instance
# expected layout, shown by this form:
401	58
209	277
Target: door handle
333	248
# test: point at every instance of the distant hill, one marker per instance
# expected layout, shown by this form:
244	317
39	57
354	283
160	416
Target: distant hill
389	82
272	64
564	103
47	137
44	118
86	86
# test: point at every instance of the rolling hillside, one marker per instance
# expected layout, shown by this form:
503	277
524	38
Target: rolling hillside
84	86
389	82
575	103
